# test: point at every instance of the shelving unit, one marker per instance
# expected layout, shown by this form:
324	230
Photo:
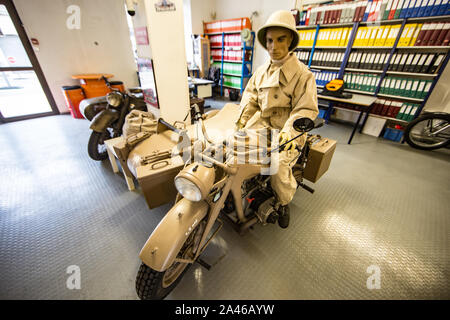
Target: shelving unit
245	62
391	50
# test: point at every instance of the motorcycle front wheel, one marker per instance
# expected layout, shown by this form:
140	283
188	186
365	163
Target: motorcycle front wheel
155	285
96	145
428	132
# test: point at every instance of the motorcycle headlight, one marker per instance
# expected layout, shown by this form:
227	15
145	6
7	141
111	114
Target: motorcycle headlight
195	181
114	99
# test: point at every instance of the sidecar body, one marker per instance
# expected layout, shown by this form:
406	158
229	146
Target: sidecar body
151	163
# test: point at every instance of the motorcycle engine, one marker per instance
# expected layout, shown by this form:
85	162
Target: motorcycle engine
262	204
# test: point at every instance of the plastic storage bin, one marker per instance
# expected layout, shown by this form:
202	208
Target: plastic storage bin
73	96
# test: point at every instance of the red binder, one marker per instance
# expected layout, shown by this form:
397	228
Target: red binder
435	35
447	39
393	9
428	34
422	33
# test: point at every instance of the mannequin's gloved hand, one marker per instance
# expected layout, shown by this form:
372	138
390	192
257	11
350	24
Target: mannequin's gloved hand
285	137
239	125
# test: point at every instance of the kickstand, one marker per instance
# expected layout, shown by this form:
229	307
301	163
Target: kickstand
204	264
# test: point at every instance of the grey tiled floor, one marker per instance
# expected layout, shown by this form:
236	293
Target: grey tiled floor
381	203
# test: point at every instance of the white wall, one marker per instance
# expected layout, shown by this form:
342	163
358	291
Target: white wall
65	52
440	97
201	11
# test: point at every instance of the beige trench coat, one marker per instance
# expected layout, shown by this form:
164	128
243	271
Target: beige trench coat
276	100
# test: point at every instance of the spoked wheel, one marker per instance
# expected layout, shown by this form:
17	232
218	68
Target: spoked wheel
154	285
96	145
428	132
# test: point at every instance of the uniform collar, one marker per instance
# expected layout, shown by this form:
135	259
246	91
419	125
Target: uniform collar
288	69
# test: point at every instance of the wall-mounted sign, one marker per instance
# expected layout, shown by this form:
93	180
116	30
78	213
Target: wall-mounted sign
147	81
141	35
164	5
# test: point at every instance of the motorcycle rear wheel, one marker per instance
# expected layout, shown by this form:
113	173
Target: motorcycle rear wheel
96	145
155	285
419	132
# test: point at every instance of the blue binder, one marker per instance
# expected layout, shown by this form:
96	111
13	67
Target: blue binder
422	8
429	8
416	8
405	9
410	9
443	8
435	9
366	13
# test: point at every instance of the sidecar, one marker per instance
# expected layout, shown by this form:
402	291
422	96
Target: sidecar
150	161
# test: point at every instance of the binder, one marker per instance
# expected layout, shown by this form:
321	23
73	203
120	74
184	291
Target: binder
441	37
414	63
428	8
415	34
392	36
367	36
428	34
402	62
387	10
422	33
368	8
393	9
402	41
410	9
435	9
447	39
382	9
401	9
435	34
422	8
436	63
443	8
408	63
427	63
416	8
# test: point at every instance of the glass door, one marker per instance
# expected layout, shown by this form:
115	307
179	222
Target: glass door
24	92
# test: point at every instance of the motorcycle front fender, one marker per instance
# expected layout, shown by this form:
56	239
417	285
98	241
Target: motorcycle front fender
163	245
104	120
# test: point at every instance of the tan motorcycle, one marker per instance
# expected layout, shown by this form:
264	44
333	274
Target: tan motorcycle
217	183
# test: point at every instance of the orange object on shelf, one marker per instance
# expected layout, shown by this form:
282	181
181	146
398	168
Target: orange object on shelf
93	84
228	25
118	85
73	96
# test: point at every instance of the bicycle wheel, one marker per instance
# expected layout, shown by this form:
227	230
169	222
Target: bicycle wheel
429	132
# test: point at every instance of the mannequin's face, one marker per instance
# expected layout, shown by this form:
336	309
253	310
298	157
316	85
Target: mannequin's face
278	41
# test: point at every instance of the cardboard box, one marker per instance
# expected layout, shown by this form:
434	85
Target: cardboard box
319	159
374	126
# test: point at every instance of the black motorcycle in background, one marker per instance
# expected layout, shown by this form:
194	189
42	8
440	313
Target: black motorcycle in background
107	115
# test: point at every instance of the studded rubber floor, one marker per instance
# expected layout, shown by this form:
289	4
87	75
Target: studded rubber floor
377	227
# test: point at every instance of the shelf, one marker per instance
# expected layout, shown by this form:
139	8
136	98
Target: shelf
330	25
363	70
232	75
225	32
325	68
400	97
443	48
372	48
233	61
372	115
360	92
319	47
230	87
412	74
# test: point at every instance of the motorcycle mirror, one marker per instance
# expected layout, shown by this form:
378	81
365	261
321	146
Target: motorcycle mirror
303	124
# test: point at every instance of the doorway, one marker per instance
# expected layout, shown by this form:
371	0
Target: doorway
24	92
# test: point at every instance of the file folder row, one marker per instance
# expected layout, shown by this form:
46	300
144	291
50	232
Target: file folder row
367	60
405	87
374	10
303	56
327	58
323	77
416	62
361	81
335	37
394	109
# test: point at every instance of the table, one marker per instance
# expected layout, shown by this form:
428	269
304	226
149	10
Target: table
202	87
357	99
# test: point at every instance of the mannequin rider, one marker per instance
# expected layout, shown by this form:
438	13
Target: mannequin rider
279	92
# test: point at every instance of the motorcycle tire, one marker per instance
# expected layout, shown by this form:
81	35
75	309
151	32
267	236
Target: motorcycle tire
96	145
155	285
415	142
